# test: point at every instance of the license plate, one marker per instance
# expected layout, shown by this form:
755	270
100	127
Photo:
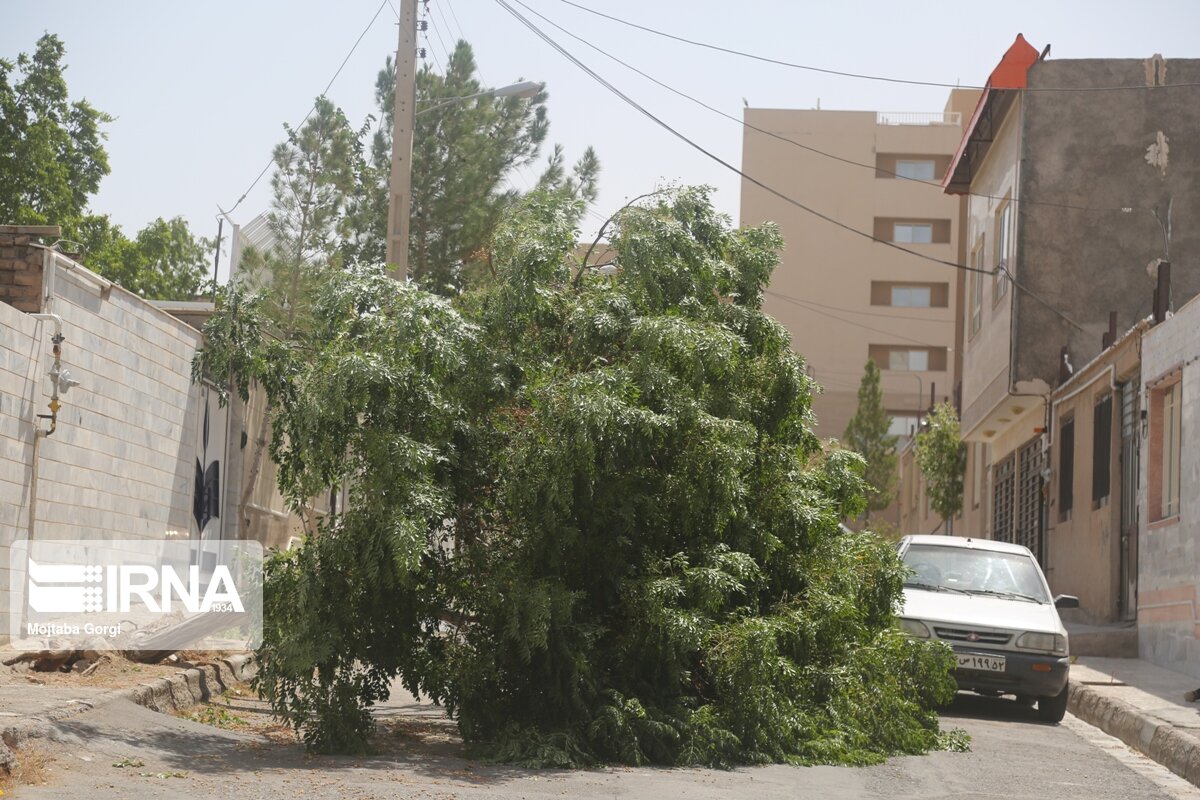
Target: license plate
984	663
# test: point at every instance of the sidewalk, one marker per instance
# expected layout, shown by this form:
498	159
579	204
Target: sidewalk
31	702
1142	705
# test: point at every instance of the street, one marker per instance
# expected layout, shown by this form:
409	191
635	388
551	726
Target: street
125	751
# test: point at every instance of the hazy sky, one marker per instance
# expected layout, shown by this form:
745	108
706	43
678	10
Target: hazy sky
200	91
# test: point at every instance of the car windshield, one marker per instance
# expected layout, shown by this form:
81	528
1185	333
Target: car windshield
985	572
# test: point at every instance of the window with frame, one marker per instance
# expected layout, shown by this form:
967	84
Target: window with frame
915	169
1003	255
912	233
902	425
1166	437
912	296
1101	450
976	315
1066	467
909	360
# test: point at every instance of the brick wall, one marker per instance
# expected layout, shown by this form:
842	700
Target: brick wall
21	265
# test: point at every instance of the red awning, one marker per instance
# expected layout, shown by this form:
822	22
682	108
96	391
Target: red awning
1011	73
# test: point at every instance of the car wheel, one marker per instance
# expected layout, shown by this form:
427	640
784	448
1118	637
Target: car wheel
1053	709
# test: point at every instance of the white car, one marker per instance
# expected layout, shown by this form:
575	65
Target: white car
990	602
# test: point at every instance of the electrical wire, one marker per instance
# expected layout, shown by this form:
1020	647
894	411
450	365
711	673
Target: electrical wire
265	169
437	33
857	75
877	314
815	310
446	22
874	168
461	33
751	179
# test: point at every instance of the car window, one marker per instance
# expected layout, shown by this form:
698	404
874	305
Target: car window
970	570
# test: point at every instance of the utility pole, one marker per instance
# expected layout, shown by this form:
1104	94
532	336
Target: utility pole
400	188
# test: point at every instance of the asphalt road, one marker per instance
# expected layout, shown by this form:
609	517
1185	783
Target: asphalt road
1012	756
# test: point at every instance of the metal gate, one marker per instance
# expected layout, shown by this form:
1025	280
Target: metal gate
1129	495
1003	478
1029	497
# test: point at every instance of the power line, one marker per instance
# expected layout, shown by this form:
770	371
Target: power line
437	33
446	22
876	313
873	167
461	33
857	75
265	169
806	306
786	198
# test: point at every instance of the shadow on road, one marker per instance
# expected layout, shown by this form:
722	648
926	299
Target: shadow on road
999	709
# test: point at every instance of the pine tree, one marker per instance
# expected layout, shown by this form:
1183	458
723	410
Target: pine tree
867	433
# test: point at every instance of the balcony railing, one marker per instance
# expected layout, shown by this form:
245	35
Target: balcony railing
918	118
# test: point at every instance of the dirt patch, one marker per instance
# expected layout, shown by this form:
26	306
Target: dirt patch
109	671
31	768
240	709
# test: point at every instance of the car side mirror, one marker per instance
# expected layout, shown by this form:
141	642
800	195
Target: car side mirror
1066	601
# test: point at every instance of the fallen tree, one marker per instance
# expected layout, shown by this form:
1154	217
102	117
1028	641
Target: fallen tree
609	486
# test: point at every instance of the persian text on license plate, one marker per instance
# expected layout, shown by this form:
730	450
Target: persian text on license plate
985	663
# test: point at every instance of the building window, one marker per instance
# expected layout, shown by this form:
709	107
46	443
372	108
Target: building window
1003	250
912	296
902	425
976	316
906	358
1166	436
911	360
915	170
1101	450
1066	468
912	233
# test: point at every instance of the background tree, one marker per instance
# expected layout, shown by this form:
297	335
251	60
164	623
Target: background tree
867	434
588	517
462	154
942	459
51	150
52	159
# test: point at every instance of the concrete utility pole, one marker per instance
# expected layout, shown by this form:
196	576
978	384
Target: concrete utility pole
400	195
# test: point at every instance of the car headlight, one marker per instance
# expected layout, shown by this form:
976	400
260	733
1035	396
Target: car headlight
1045	642
913	628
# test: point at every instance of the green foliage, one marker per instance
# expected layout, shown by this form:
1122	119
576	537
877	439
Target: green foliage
942	459
462	153
163	262
867	434
51	152
52	159
589	519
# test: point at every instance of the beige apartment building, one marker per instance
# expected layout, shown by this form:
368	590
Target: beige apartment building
843	297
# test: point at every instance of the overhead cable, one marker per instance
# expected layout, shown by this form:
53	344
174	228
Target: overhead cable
750	178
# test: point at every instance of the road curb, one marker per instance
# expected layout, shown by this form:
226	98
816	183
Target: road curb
1159	741
172	693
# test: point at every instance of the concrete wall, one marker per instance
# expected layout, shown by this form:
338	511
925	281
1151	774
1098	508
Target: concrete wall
1084	556
1090	149
122	461
821	290
986	350
1168	556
